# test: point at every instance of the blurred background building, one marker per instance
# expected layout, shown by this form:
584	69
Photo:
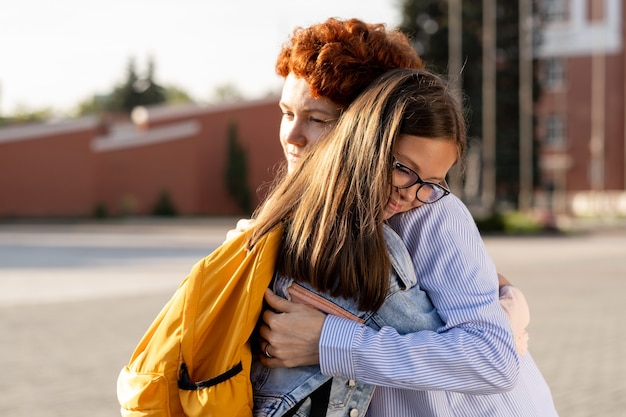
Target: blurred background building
164	160
581	111
544	80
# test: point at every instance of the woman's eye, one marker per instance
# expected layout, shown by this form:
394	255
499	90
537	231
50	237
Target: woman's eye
316	120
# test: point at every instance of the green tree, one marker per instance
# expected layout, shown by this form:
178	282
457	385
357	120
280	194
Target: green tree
176	95
426	22
136	91
96	104
164	205
23	114
236	172
101	103
226	93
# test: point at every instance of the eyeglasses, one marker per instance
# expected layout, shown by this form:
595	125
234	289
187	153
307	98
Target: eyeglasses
428	192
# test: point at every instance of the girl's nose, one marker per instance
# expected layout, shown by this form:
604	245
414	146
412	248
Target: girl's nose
407	194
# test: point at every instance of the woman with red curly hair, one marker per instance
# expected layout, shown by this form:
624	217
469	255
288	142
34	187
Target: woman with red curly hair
326	66
339	58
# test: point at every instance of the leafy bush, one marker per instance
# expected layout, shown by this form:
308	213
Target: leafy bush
510	222
164	205
100	211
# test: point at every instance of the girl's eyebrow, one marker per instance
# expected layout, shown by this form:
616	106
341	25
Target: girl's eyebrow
417	170
438	180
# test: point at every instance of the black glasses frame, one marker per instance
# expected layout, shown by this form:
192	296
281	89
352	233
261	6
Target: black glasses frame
438	191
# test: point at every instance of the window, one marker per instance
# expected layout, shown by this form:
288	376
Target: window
554	73
554	10
555	131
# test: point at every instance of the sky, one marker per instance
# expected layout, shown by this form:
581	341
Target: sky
55	54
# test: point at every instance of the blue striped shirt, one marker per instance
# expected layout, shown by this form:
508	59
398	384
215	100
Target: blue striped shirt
451	371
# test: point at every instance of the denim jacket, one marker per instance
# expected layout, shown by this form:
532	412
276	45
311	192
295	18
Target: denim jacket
277	390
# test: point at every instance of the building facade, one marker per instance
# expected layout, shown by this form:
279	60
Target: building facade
77	168
581	111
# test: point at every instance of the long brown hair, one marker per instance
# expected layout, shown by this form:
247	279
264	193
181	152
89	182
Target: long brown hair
332	205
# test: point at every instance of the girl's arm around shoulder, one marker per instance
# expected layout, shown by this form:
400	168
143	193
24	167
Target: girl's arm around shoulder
474	351
450	217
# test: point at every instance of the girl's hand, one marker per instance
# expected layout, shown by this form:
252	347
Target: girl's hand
290	333
516	309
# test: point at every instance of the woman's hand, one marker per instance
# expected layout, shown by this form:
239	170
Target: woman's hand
290	334
242	226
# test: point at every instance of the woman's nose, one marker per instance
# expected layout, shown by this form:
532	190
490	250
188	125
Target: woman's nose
295	135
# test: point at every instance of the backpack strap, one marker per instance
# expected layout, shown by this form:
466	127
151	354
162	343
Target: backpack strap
319	401
185	382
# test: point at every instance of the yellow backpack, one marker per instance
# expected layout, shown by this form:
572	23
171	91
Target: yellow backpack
194	360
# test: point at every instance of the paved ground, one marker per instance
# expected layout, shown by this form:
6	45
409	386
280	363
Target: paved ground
75	299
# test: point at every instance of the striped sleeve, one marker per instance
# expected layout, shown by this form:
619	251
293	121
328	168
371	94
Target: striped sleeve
473	352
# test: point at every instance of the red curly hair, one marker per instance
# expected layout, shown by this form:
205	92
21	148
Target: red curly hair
339	58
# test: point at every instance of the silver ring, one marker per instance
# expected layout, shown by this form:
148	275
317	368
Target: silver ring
267	354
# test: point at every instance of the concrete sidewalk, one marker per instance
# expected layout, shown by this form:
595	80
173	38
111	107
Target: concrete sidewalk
76	298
